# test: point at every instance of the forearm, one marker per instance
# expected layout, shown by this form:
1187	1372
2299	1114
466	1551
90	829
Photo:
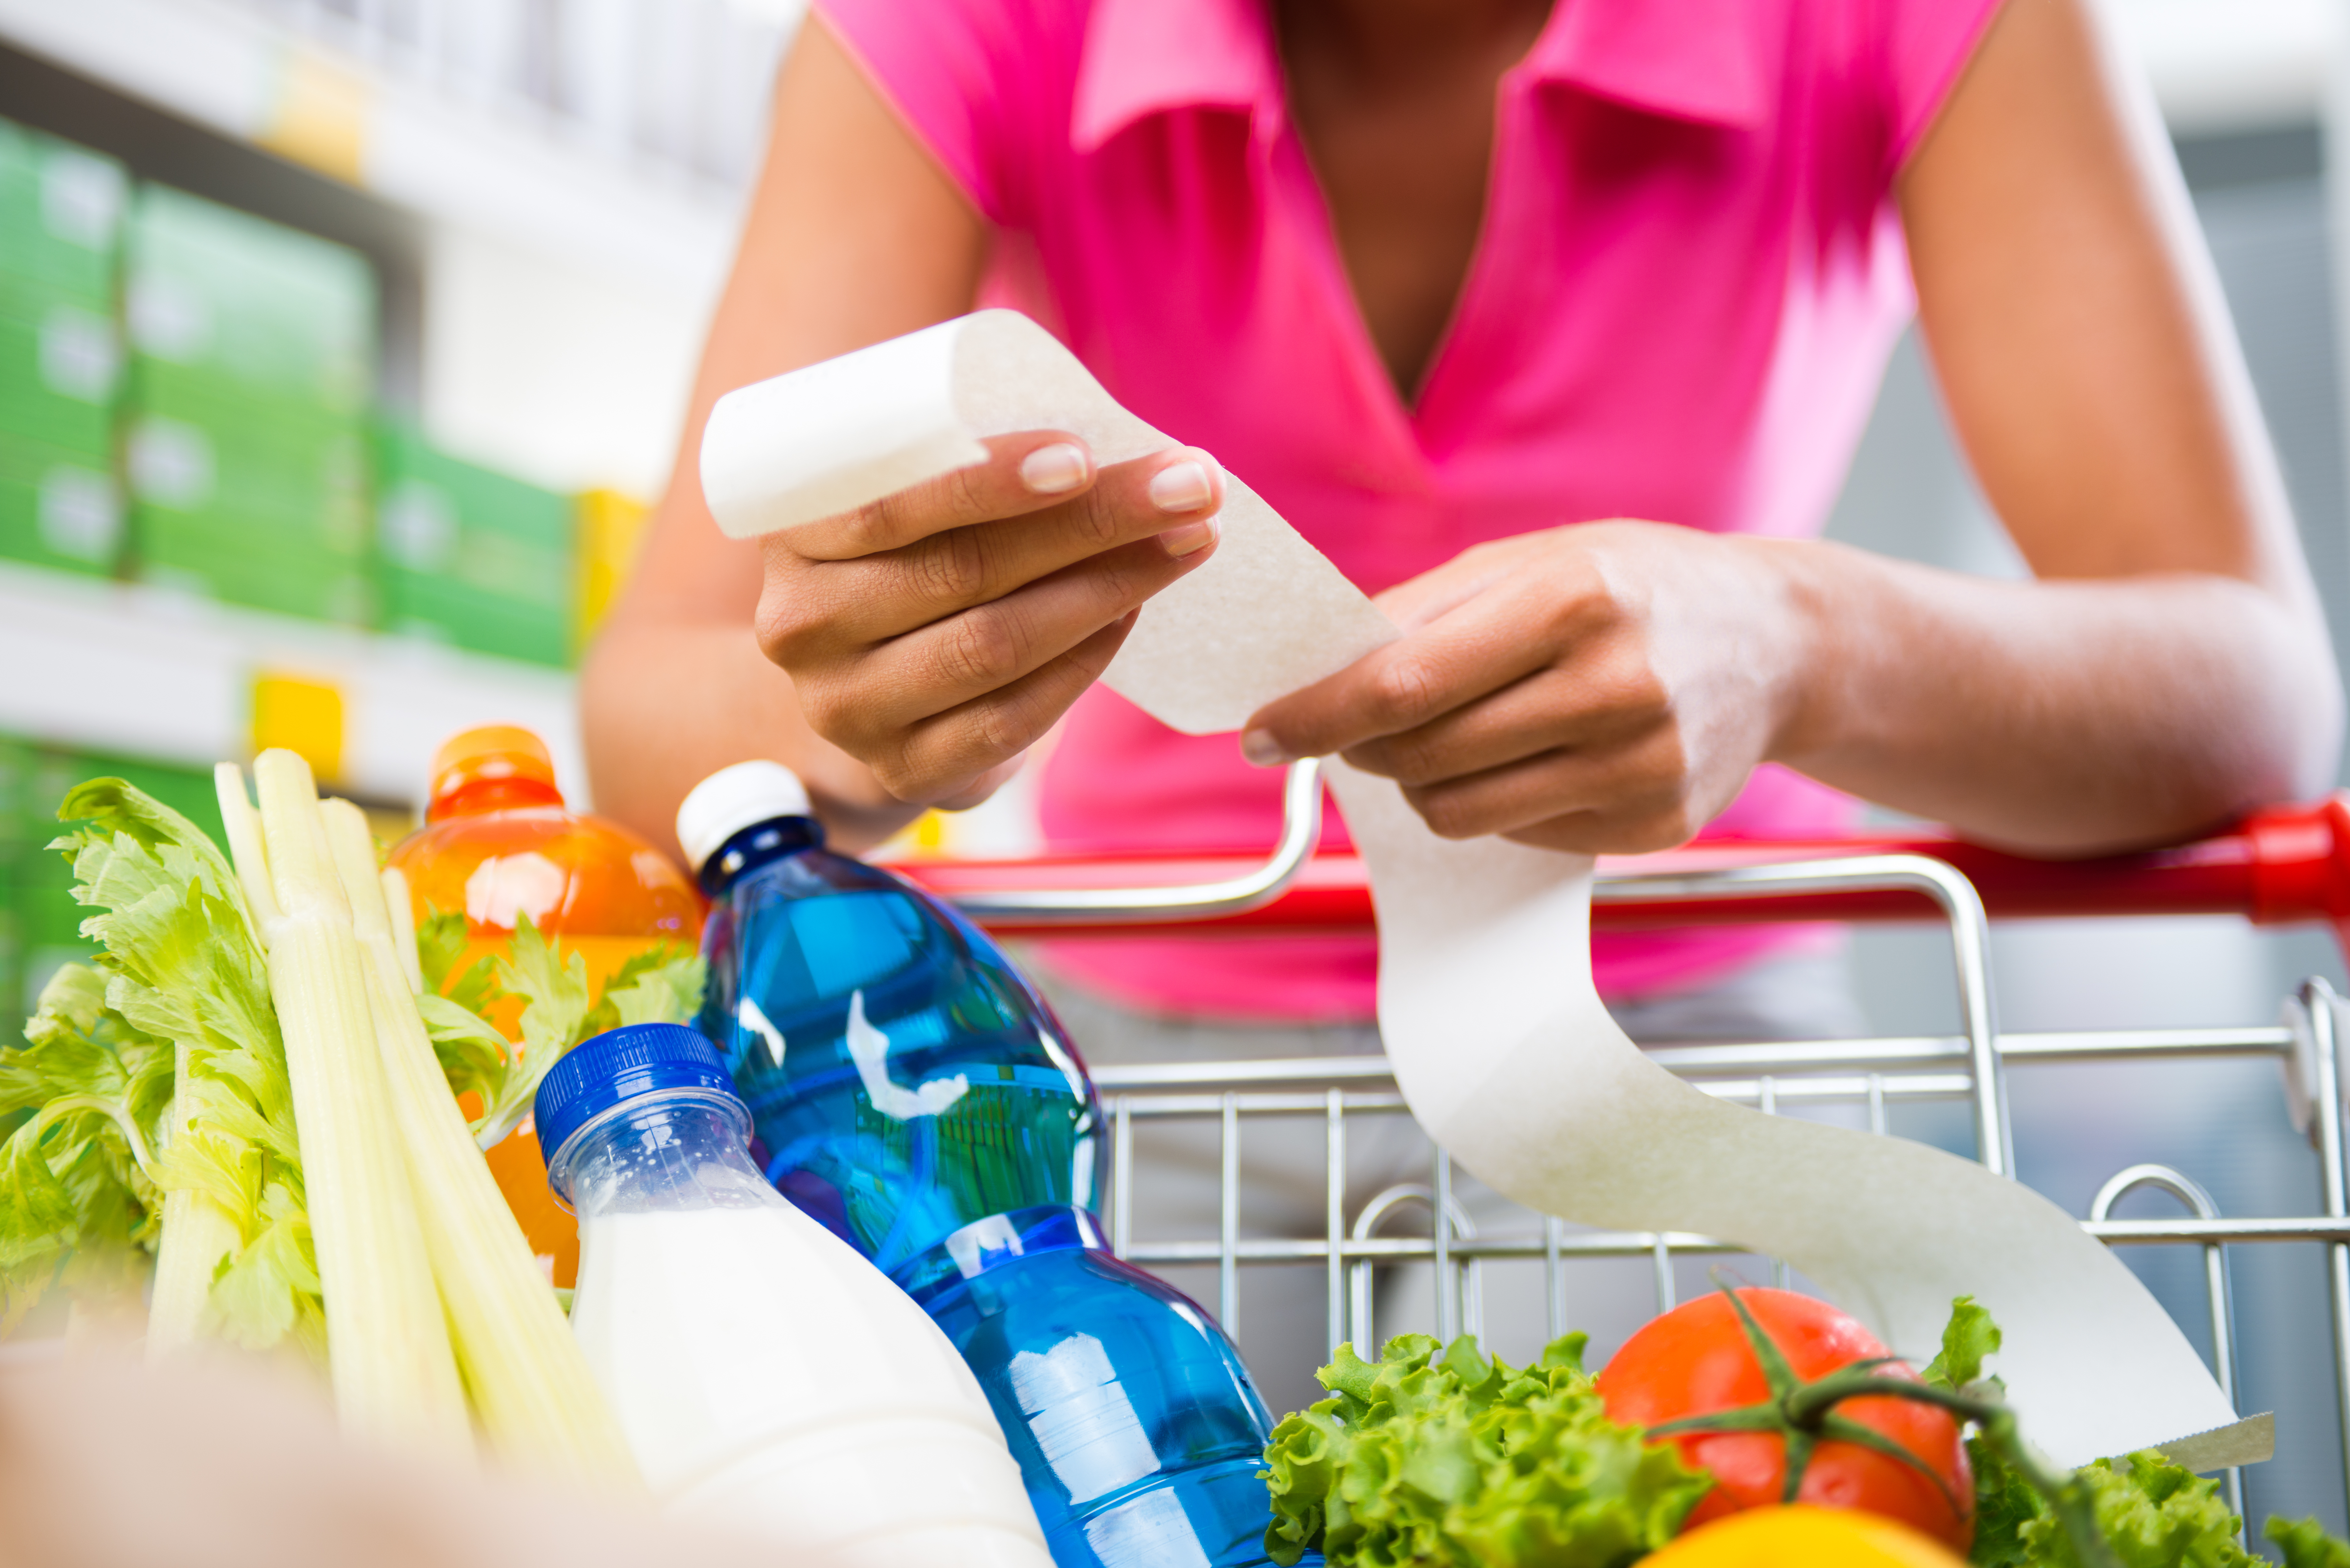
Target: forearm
666	704
855	235
2062	716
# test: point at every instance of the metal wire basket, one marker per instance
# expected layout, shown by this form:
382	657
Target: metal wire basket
2284	866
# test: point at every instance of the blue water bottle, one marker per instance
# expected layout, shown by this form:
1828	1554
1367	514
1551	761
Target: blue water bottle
912	1091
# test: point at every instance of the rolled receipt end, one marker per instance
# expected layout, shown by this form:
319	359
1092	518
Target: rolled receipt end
1486	1005
1264	615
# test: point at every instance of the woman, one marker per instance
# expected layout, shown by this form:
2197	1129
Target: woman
1557	327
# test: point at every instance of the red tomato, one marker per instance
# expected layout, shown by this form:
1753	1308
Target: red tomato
1695	1360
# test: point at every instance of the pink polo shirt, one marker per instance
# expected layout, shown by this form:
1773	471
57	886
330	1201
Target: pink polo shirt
1689	277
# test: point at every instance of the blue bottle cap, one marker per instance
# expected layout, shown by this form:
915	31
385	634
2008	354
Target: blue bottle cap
619	1066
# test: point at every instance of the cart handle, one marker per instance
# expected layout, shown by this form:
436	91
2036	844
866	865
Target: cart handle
2284	865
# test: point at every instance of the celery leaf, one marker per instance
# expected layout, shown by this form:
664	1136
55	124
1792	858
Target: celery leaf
183	965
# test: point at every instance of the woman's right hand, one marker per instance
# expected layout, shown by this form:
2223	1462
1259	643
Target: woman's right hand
936	634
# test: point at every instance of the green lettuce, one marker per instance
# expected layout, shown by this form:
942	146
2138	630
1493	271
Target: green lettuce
2305	1543
79	1203
176	1004
662	984
2150	1512
1422	1458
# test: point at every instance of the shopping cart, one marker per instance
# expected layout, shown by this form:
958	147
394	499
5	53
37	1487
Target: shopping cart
2287	864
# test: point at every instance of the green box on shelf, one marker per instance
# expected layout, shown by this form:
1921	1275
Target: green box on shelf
18	806
434	610
47	914
58	507
61	216
471	558
280	313
201	446
59	377
310	586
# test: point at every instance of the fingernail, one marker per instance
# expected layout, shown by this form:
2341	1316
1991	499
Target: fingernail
1181	487
1191	538
1050	470
1259	747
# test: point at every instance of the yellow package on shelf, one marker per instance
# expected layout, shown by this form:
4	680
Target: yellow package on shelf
612	528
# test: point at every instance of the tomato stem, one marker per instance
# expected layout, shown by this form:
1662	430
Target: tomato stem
1802	1414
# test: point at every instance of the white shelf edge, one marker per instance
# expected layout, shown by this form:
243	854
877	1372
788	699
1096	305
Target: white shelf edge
136	670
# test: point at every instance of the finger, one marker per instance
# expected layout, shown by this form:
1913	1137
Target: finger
1584	705
1023	474
982	788
952	661
1621	832
968	741
1434	594
1644	781
1168	497
1401	686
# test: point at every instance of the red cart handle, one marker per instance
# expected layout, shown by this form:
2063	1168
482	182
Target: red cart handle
2284	865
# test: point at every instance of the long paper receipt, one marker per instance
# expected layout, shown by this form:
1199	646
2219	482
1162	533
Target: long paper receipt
1500	1043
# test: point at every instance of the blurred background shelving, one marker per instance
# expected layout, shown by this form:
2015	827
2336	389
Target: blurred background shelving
467	249
480	239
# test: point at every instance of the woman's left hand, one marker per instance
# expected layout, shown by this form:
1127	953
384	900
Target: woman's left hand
1603	687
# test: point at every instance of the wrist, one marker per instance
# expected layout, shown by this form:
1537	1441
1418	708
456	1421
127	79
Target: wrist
1807	605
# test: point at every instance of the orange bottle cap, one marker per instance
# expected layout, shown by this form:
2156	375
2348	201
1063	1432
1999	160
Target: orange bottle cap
502	754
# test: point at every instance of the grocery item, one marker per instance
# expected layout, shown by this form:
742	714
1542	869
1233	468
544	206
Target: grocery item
172	1022
246	305
253	352
1726	1351
60	506
1434	1454
243	1087
528	1385
61	209
499	847
611	530
1782	1537
472	558
1449	1459
912	1091
59	368
60	352
767	1377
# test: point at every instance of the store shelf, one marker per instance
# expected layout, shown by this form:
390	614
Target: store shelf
132	669
500	171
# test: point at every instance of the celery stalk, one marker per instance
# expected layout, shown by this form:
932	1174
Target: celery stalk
538	1404
198	1229
401	910
388	1357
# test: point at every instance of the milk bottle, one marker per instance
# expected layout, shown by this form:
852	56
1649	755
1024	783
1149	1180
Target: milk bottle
767	1377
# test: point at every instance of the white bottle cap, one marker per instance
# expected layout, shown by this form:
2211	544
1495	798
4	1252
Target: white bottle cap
733	799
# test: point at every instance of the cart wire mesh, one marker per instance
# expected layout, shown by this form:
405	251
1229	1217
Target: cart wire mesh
2280	866
1873	1075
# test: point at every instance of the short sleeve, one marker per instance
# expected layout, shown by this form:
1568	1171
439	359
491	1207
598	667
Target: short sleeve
954	71
1926	45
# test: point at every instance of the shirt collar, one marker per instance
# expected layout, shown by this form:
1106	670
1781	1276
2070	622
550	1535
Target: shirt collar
1151	57
1688	59
1705	61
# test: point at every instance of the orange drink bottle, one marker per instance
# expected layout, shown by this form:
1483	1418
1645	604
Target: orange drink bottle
498	844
